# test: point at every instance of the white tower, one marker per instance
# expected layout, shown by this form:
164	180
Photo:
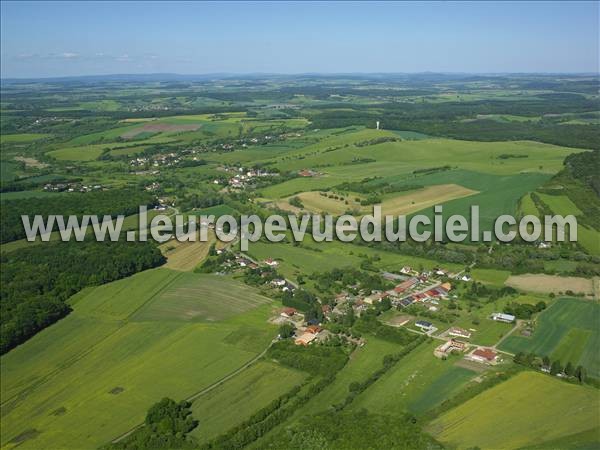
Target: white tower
378	124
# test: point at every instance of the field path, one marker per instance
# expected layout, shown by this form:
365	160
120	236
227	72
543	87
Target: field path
517	325
207	389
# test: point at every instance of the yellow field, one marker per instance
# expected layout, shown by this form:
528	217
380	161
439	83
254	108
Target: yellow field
185	256
404	203
424	198
546	284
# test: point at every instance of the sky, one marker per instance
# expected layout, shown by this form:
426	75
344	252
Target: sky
49	39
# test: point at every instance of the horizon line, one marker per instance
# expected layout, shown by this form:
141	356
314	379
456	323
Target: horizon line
297	74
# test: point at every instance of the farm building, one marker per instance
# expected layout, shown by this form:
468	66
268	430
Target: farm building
424	325
459	332
305	339
484	355
449	346
501	317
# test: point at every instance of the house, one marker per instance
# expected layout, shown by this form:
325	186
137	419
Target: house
446	287
407	301
305	339
278	282
406	270
424	325
406	285
459	332
289	312
448	347
466	277
271	262
326	309
484	355
501	317
314	329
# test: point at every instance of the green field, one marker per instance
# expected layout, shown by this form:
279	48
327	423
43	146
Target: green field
570	328
417	383
519	412
91	377
234	401
22	138
197	297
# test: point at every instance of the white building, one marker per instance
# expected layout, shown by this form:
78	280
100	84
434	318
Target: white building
501	317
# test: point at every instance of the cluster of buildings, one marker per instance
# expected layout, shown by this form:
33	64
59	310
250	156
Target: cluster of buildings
73	187
165	160
244	177
304	333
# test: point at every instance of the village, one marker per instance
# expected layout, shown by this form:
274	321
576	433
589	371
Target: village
427	289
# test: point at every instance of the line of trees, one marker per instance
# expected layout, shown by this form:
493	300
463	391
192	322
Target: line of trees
553	367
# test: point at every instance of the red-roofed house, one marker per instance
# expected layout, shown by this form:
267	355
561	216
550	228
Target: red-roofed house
484	355
288	312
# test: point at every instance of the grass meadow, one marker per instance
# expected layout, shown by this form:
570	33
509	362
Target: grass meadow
519	412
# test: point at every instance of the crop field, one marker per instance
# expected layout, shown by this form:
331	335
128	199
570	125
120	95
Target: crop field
405	203
424	198
328	202
417	383
185	255
235	400
519	412
91	377
199	297
570	328
546	284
